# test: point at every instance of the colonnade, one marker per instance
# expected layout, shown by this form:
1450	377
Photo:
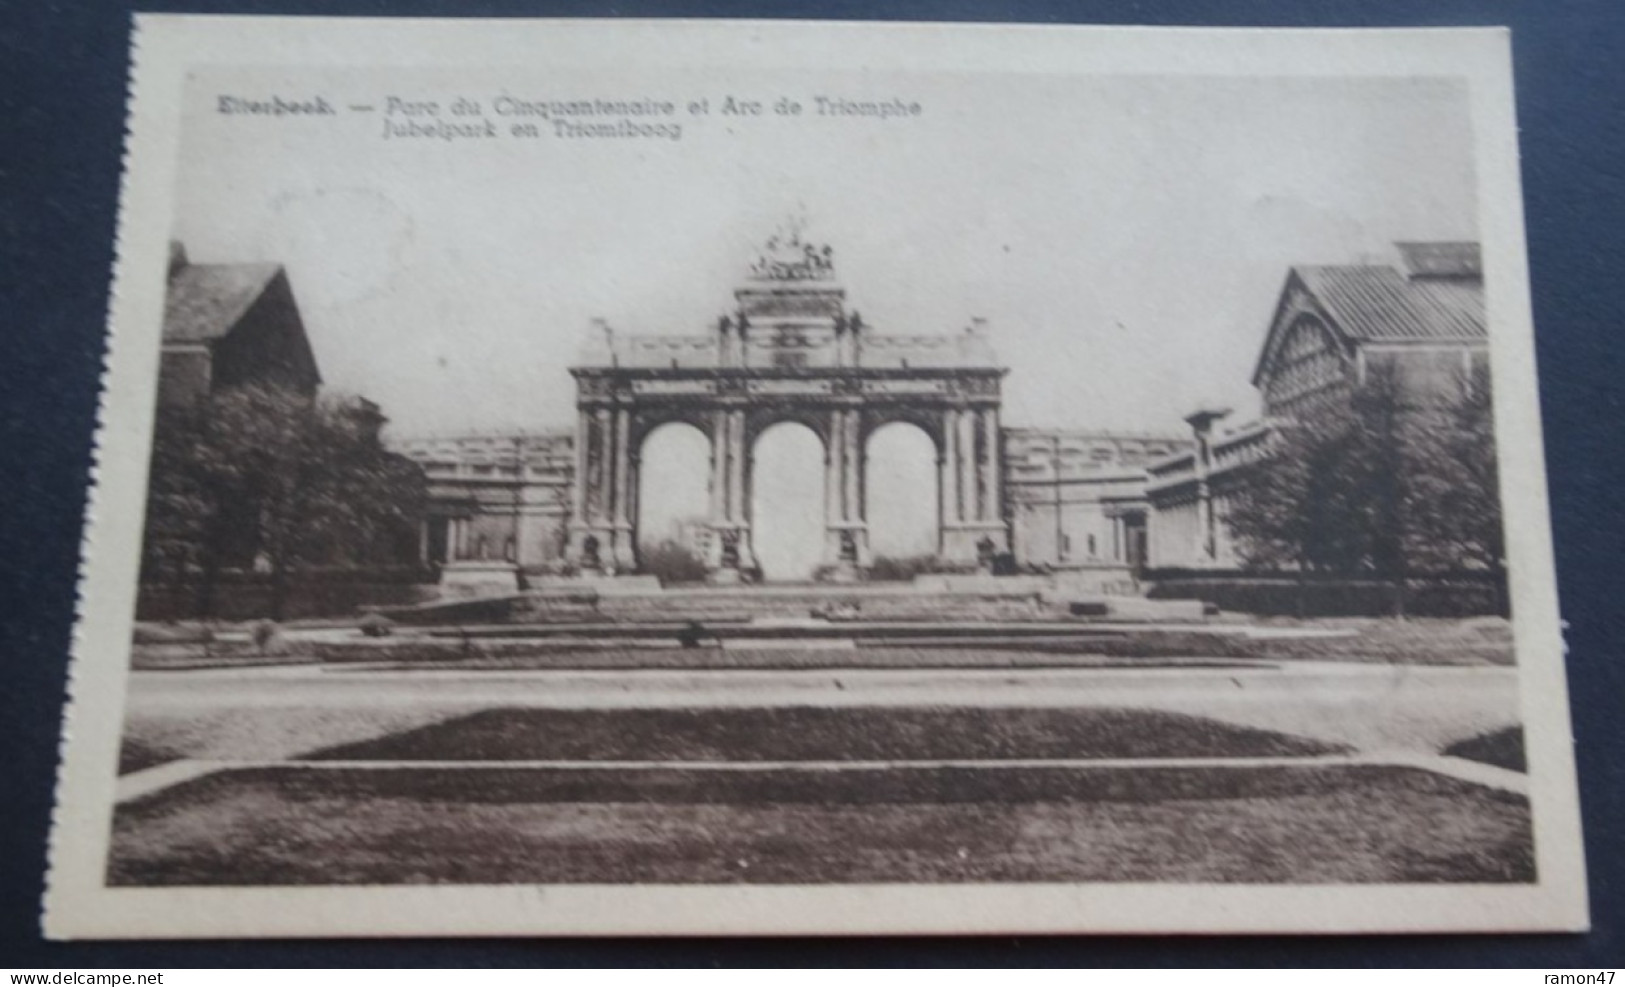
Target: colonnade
970	490
970	485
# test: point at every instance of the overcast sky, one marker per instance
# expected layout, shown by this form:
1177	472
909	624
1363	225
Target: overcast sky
1126	237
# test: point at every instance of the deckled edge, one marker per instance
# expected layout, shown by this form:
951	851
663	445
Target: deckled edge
71	703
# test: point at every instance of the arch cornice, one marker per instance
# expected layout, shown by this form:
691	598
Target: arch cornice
1296	302
644	388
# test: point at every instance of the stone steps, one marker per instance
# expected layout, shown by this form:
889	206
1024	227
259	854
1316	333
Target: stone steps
893	603
676	606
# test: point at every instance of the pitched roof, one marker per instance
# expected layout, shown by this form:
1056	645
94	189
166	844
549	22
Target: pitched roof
206	300
1380	304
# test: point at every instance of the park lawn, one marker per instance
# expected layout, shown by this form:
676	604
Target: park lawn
1415	641
187	657
1374	641
153	737
138	753
808	733
291	825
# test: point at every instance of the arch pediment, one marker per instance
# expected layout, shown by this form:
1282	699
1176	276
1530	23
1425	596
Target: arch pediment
1295	305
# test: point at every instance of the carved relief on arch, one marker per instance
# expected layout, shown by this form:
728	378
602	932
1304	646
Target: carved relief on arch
979	387
594	387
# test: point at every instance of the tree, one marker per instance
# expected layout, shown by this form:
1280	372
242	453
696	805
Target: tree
1388	481
1458	522
1456	518
263	476
1315	501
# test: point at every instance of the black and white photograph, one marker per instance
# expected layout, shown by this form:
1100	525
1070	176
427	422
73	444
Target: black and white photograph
817	479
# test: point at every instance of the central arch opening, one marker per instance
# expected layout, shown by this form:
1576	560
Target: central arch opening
674	503
787	501
901	495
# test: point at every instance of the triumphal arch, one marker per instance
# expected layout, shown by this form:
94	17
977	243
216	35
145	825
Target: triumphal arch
791	350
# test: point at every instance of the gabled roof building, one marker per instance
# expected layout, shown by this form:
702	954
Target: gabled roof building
1419	316
1423	314
231	324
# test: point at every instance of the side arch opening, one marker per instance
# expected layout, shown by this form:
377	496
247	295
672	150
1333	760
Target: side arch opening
903	501
674	503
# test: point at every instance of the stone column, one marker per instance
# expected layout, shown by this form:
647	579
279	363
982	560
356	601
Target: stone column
969	510
601	476
718	488
623	464
740	490
578	509
857	518
625	554
835	493
736	466
834	460
950	471
853	449
1201	423
634	463
992	509
719	466
1210	524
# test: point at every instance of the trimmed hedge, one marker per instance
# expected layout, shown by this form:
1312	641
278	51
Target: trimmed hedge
245	595
1287	594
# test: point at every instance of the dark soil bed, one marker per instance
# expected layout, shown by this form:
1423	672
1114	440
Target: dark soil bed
1502	748
185	657
815	734
135	755
1321	824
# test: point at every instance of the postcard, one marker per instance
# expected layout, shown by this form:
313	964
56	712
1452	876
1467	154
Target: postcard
677	477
